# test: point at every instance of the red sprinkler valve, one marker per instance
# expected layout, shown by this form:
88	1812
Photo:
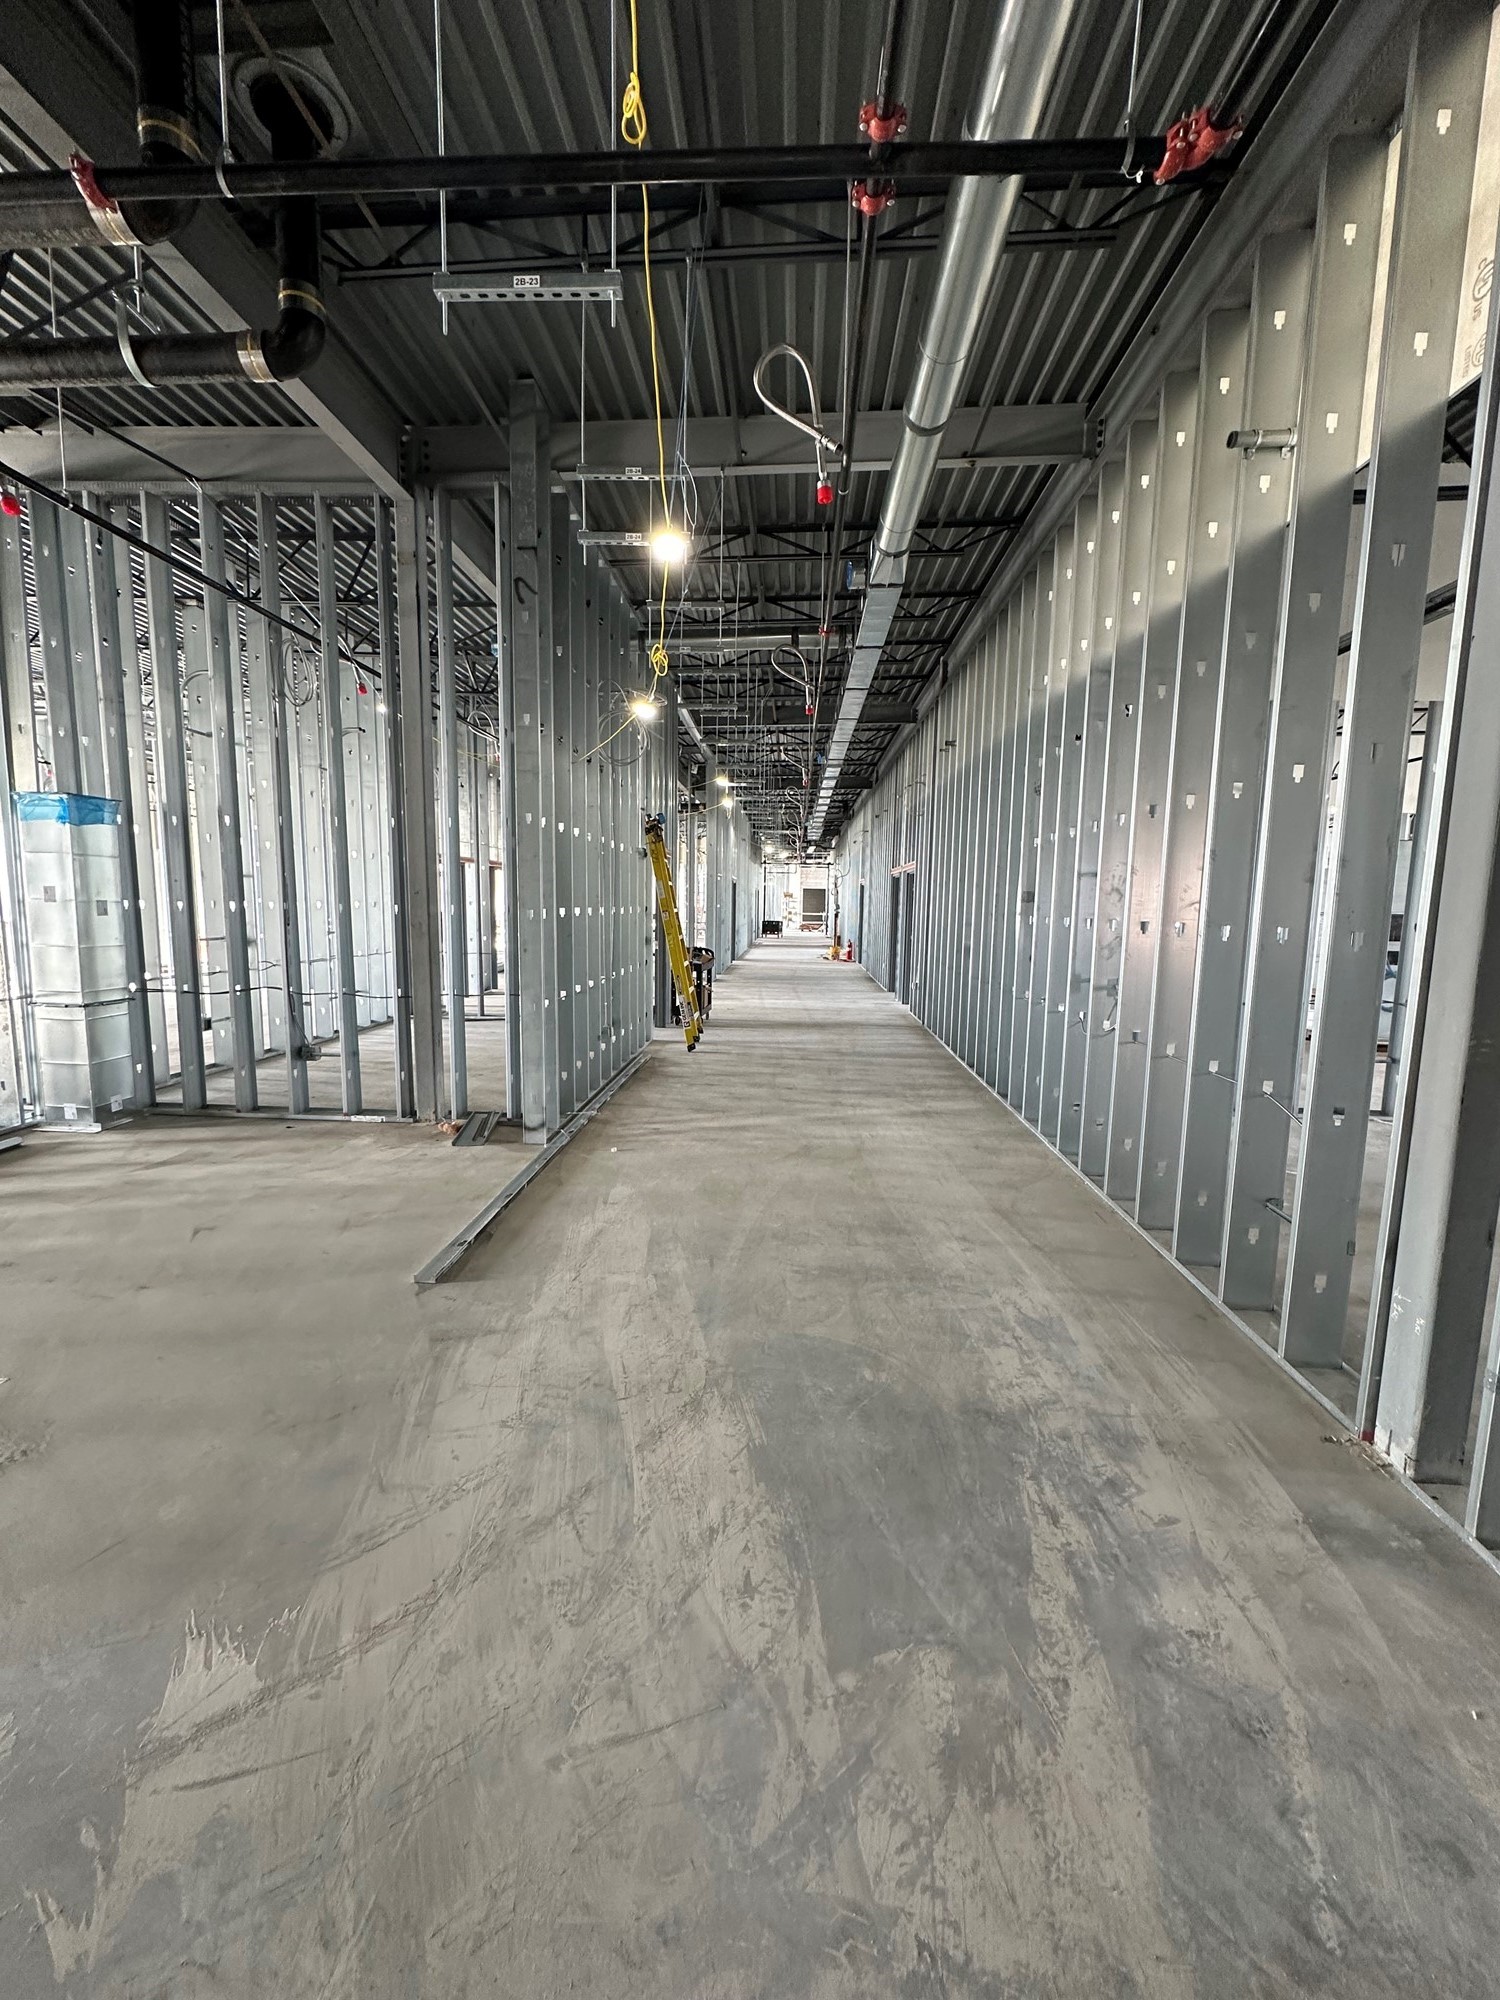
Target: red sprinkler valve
1194	141
872	197
10	506
882	131
825	493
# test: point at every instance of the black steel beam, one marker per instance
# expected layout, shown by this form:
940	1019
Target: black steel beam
897	247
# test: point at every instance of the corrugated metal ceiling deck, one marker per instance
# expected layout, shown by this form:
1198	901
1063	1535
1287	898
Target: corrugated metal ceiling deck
536	75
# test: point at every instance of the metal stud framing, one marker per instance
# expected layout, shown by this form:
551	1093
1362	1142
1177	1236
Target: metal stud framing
1133	770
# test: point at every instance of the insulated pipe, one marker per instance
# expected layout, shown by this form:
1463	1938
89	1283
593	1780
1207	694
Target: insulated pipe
431	173
1022	62
165	127
1018	74
277	354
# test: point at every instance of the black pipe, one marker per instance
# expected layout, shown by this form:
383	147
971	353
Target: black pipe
279	354
165	108
164	121
429	174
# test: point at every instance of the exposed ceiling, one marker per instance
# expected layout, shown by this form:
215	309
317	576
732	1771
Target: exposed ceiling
736	269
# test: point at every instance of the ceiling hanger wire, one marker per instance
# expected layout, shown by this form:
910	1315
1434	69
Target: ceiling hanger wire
442	139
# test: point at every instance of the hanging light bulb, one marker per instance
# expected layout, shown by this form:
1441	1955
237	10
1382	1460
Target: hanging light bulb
722	780
644	707
669	545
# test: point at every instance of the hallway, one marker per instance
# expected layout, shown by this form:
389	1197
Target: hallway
800	1555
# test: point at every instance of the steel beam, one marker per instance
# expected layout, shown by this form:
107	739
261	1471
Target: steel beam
750	447
1445	89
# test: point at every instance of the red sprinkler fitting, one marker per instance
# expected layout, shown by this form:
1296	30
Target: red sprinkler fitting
825	493
1194	141
882	130
872	197
10	506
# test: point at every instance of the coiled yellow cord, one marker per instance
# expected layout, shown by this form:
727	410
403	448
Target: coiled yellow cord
633	130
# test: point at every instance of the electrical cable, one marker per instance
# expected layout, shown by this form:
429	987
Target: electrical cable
634	131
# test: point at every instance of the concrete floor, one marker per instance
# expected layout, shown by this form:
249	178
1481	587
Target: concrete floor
815	1549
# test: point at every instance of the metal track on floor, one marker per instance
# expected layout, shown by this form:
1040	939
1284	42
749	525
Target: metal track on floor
453	1252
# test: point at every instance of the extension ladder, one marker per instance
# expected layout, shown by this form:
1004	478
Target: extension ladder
682	977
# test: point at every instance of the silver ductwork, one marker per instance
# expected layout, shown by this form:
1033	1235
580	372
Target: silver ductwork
1023	57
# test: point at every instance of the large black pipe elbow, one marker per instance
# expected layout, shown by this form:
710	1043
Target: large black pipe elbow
278	353
164	124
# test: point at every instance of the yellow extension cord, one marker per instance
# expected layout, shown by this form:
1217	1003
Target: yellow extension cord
633	131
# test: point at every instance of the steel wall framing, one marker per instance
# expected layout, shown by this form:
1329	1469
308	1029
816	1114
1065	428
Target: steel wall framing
245	740
1112	818
580	776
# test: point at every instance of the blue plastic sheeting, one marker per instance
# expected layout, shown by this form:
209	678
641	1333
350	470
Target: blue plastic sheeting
67	808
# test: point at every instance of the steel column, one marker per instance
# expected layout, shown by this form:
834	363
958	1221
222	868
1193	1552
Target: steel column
227	709
269	684
450	862
421	909
530	781
1221	390
64	751
1450	1177
394	855
171	778
1278	320
505	590
1125	637
1268	1063
563	750
1018	690
1053	695
331	684
262	656
112	665
1097	637
1161	660
1073	656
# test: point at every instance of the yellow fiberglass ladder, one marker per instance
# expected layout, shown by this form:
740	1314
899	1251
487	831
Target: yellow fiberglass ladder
682	975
